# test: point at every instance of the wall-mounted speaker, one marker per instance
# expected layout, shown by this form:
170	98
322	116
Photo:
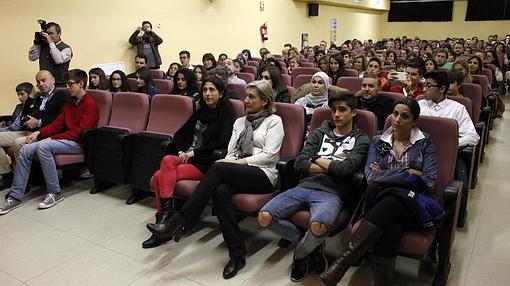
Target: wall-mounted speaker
313	9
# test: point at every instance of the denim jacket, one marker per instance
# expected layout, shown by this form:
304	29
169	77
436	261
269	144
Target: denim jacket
422	157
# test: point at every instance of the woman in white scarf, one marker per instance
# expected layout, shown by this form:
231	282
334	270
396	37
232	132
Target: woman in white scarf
317	97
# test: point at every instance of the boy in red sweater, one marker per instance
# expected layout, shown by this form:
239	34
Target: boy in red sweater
62	136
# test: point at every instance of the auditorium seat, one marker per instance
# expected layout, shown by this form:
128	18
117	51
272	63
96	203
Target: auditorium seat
353	84
167	114
165	86
287	79
351	73
250	69
303	70
247	77
129	115
157	74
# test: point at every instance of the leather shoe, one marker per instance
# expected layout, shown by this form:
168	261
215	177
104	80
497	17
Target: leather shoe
233	266
154	241
167	229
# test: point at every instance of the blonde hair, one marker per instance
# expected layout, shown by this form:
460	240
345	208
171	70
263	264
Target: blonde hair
265	92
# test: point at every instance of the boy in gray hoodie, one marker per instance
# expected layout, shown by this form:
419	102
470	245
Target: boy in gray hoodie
332	154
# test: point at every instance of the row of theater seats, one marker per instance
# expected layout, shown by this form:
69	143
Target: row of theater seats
127	148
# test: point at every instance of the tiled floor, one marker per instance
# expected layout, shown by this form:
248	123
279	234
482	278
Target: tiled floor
95	240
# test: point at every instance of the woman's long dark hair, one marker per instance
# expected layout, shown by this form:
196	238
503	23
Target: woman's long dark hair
124	82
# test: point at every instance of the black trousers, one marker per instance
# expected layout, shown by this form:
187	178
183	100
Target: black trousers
222	181
392	217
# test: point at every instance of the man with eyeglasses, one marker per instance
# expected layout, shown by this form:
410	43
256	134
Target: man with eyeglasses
62	136
436	104
53	54
184	57
38	111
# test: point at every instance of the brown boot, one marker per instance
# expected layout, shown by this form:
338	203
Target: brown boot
383	269
364	237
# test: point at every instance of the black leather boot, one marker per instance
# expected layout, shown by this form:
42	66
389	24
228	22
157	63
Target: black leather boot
364	237
166	212
383	269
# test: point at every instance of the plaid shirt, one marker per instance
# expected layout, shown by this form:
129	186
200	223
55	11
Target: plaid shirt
402	162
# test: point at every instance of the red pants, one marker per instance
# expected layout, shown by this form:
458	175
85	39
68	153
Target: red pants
171	171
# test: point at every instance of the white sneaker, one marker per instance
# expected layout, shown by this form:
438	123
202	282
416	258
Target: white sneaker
9	205
50	200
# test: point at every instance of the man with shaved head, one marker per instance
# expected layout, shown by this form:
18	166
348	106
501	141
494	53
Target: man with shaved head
38	111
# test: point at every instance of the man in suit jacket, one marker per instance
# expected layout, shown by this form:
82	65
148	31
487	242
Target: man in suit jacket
38	112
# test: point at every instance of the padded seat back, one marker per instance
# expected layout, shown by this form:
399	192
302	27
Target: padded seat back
253	63
287	79
238	107
250	69
303	70
474	92
293	118
164	85
168	113
247	77
239	88
157	74
466	102
484	83
133	85
365	120
301	79
351	72
130	110
444	133
394	95
353	84
488	73
104	103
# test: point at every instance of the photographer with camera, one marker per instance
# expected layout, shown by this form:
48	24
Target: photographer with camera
53	54
38	111
147	42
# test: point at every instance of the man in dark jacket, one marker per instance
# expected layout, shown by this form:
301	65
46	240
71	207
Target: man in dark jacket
332	154
372	100
62	136
38	111
147	42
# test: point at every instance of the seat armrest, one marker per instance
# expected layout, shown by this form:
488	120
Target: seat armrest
167	146
219	154
358	179
452	192
287	175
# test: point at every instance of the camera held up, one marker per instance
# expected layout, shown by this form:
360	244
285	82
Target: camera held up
38	37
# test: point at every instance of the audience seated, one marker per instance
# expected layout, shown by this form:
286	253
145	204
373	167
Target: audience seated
64	136
232	76
172	69
273	76
185	58
336	67
208	129
412	85
97	79
208	61
372	100
140	61
145	82
118	82
436	104
330	157
401	171
185	84
455	79
317	97
249	167
38	111
200	72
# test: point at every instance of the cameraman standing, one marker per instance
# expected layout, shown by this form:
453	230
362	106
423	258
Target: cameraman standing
147	42
53	54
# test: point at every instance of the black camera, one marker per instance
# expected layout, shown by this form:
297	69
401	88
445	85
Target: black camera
24	119
38	37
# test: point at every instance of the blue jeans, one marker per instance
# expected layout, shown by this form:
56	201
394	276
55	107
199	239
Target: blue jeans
324	208
44	151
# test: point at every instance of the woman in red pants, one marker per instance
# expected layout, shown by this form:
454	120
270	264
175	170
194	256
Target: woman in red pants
208	129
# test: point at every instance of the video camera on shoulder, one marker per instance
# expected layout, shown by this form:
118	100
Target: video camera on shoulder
38	37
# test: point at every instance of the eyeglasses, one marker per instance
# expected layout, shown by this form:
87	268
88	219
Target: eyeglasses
429	85
116	79
70	83
266	77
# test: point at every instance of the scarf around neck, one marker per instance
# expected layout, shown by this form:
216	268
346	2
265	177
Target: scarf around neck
251	123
